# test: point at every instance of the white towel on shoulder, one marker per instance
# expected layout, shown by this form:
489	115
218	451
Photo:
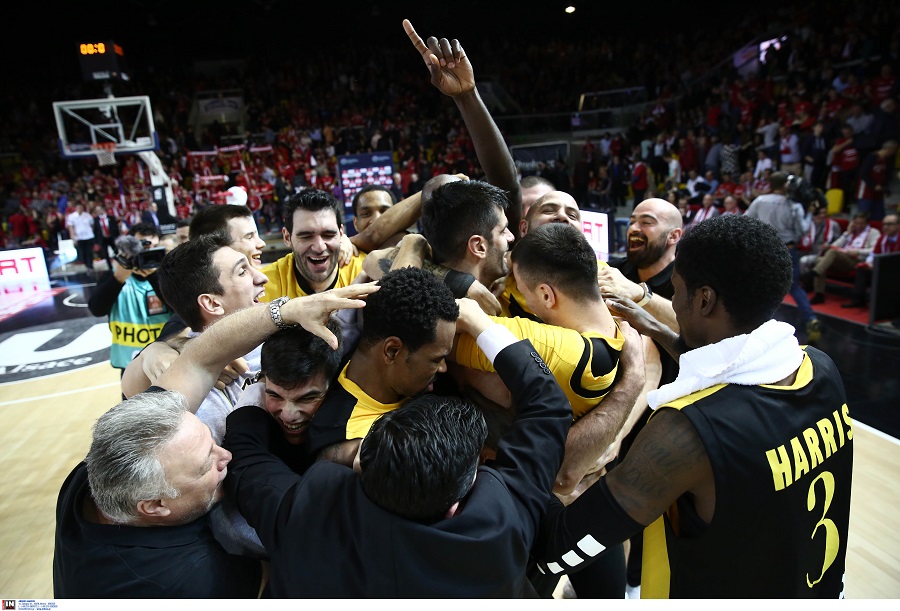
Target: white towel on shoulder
766	355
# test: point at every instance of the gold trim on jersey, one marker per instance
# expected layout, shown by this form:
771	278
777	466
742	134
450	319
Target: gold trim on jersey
366	411
283	279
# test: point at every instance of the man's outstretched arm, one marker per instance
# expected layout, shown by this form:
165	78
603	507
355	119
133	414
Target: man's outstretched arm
452	74
395	219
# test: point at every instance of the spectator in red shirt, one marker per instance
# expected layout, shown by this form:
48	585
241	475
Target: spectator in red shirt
845	164
874	175
882	86
18	227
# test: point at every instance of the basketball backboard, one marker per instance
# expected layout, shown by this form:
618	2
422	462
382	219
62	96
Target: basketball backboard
84	126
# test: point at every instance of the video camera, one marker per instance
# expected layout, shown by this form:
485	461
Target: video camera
133	253
800	190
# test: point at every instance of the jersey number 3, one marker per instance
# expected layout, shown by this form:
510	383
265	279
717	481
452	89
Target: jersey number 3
832	538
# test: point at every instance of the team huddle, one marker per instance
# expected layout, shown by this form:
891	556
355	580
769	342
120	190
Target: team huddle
469	410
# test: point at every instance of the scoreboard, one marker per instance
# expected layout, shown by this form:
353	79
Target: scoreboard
102	61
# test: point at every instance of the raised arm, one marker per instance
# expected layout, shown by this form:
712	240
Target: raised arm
452	74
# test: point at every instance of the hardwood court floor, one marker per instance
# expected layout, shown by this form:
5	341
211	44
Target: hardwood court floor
46	426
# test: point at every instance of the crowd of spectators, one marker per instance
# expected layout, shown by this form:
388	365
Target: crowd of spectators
706	128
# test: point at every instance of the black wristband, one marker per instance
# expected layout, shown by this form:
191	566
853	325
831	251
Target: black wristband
458	282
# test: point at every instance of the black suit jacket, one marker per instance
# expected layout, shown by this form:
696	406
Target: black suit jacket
119	561
147	217
325	538
113	225
809	149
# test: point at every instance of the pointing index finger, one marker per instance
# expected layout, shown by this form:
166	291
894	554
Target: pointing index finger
414	37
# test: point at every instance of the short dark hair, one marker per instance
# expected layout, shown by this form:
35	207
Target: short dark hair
143	229
312	200
535	180
408	306
560	255
369	189
778	180
743	259
457	211
188	271
291	357
420	459
215	218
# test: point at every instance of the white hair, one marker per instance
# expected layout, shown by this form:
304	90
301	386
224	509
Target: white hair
123	462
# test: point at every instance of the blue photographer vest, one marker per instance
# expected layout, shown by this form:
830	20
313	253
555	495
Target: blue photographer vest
136	319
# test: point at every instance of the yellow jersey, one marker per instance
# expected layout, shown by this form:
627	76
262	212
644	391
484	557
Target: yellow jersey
284	279
584	364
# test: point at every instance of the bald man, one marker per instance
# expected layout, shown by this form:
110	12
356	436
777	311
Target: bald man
645	277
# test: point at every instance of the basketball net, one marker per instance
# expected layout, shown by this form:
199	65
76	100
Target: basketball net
105	152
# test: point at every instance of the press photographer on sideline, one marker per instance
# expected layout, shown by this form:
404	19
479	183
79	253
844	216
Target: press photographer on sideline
130	295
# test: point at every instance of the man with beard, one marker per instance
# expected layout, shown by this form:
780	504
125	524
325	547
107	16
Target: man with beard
555	270
313	228
645	276
749	449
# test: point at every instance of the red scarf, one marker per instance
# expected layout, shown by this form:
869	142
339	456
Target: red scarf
810	238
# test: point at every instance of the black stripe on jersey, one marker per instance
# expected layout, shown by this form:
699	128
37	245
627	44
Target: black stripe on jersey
602	358
516	310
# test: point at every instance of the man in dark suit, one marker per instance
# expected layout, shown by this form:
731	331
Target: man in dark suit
150	215
106	230
814	150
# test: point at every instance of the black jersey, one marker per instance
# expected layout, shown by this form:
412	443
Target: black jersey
782	459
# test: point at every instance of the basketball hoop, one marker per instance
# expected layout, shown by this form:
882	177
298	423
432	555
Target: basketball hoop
105	152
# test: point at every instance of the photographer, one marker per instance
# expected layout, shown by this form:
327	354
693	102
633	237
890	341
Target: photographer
130	295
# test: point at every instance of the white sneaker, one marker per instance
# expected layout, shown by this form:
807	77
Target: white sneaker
632	591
